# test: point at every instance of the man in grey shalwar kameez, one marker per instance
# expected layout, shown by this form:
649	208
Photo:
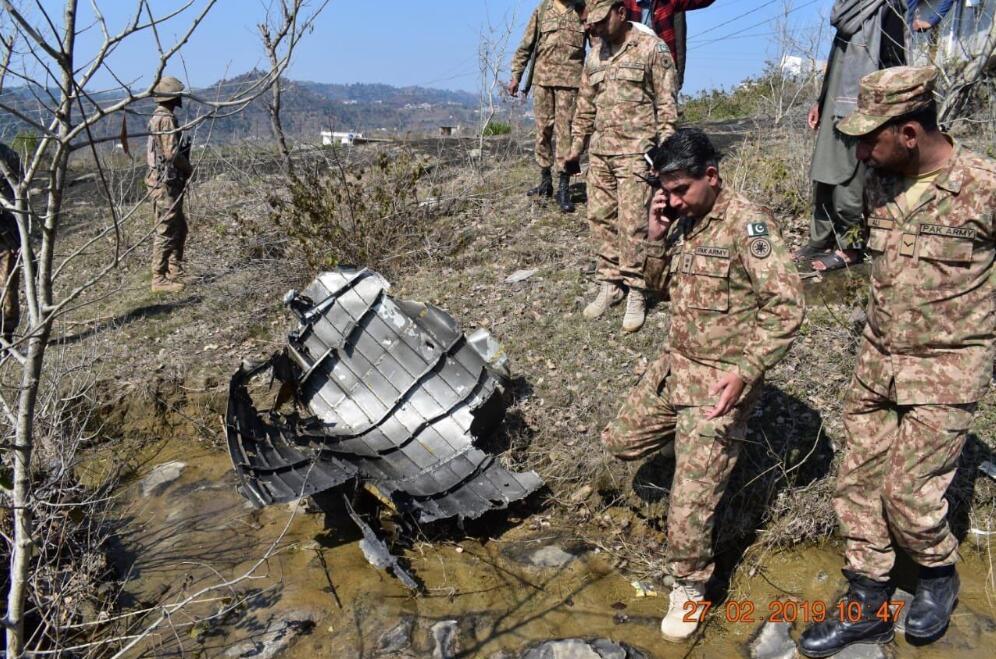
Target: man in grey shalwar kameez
869	37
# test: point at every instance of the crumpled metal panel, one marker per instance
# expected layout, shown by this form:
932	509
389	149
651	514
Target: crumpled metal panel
398	397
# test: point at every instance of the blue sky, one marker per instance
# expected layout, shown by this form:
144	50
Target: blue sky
434	42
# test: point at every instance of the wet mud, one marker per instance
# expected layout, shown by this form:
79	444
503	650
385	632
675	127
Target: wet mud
494	596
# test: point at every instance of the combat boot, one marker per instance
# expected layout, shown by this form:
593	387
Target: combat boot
846	624
175	271
636	311
682	619
564	194
609	294
161	284
545	188
936	594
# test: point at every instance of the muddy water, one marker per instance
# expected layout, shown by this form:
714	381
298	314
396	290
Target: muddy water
197	530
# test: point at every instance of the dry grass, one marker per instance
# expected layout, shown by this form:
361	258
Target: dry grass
570	374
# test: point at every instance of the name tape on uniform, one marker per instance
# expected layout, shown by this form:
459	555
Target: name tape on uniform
720	252
949	232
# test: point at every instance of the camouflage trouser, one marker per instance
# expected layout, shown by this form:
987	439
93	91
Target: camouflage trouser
170	235
898	464
9	284
705	454
617	212
554	110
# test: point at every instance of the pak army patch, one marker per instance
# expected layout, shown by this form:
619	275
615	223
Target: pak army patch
755	229
760	248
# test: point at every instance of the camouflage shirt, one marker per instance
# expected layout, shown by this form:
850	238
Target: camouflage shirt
627	101
164	140
929	336
736	298
555	35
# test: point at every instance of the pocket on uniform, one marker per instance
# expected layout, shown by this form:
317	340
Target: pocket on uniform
710	283
549	25
596	78
878	239
629	83
654	263
944	248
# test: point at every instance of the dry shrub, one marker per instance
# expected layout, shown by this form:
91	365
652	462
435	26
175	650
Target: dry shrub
772	167
71	583
369	215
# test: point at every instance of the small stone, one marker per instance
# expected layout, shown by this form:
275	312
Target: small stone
667	581
444	634
862	651
907	599
520	276
581	494
275	638
551	556
858	316
773	642
397	638
160	477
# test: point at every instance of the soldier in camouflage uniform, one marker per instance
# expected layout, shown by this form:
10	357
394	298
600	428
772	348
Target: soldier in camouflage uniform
736	305
10	247
627	104
169	169
555	41
925	359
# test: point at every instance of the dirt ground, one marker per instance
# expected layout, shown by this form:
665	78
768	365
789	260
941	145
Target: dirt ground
163	361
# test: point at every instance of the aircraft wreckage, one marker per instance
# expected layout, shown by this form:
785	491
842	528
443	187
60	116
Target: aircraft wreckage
398	398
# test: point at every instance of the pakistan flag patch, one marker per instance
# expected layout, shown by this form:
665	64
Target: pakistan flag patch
755	229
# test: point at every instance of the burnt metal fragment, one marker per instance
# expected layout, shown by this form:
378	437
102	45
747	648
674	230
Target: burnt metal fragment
393	394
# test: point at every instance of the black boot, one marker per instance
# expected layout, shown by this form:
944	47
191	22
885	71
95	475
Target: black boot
936	594
842	627
564	194
545	188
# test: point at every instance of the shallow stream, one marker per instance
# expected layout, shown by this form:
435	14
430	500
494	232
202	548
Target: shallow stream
317	596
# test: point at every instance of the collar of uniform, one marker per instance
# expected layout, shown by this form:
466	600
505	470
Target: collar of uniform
954	176
721	205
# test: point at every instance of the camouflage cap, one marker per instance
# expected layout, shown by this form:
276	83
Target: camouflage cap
888	94
599	9
167	89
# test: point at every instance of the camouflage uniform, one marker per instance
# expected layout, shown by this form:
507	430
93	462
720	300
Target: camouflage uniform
10	249
169	169
926	353
627	104
736	304
555	36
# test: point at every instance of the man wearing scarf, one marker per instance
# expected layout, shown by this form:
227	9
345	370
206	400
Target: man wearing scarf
869	37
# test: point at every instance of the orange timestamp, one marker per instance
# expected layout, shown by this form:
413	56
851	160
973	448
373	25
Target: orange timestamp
790	611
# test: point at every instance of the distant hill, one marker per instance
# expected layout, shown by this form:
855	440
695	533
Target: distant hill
307	108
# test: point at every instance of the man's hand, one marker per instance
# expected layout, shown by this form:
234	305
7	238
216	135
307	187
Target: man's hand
729	389
657	222
814	117
920	25
513	88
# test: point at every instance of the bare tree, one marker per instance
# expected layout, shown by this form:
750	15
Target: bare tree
283	27
491	53
40	51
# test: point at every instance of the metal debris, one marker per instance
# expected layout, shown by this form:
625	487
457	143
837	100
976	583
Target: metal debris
392	394
377	553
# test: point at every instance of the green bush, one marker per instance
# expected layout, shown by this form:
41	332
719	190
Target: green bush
25	143
497	128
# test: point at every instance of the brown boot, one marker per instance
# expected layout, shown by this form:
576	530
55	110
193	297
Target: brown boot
161	284
176	271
